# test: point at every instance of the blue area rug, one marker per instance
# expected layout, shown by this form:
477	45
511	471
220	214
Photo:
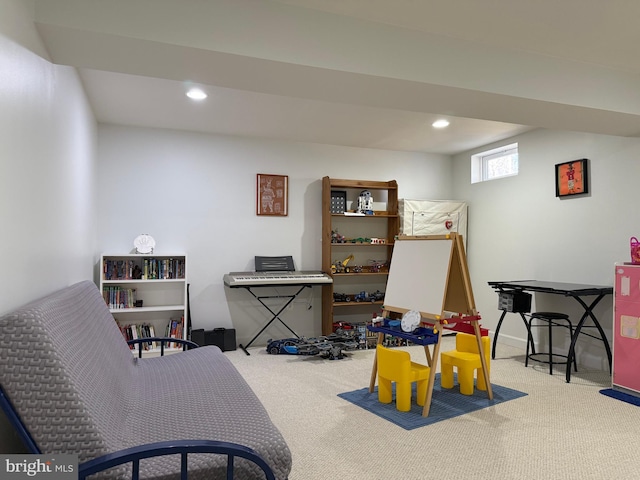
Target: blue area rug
625	397
445	404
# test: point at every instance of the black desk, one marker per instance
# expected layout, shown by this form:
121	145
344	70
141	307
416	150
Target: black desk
574	290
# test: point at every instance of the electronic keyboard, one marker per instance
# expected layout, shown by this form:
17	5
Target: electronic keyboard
241	279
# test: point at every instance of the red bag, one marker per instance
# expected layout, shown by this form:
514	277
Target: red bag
635	251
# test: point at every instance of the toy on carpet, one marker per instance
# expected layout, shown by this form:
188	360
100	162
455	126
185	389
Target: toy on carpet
329	346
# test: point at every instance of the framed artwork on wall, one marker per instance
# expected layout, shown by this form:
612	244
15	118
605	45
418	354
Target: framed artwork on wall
572	178
272	195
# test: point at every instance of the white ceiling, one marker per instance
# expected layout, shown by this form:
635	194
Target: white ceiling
591	31
566	65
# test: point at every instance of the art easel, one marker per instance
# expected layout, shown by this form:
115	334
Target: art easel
429	274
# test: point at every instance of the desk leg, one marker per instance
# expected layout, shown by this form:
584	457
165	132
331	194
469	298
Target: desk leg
588	312
374	370
432	373
529	334
495	335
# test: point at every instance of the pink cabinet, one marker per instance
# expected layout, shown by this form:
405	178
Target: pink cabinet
626	328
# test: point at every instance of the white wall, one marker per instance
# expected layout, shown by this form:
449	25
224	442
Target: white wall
196	193
47	170
519	230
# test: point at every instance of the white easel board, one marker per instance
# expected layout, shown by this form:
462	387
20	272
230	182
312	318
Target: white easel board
429	274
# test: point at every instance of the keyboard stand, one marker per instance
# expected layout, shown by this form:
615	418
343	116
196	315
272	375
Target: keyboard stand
276	315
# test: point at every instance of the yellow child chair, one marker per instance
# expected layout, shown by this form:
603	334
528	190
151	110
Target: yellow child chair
396	366
467	360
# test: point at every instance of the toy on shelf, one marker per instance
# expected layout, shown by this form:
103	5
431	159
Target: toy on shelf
377	296
341	297
365	203
337	237
377	266
361	297
341	266
364	296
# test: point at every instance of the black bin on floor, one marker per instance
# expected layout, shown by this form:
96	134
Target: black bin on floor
225	338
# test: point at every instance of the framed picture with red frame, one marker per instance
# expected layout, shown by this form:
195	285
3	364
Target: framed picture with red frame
572	178
272	195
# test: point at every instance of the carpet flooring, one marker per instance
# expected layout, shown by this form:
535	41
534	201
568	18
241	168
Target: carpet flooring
558	431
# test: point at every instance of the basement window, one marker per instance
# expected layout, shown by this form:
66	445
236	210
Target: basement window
495	163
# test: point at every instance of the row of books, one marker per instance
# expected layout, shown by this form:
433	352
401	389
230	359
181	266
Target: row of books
133	332
144	269
175	329
119	297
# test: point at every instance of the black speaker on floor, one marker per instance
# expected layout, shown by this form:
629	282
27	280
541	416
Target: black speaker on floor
197	336
225	338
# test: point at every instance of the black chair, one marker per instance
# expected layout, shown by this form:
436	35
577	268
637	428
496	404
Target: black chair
549	320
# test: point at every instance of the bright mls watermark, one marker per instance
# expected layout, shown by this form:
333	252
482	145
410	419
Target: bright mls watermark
49	467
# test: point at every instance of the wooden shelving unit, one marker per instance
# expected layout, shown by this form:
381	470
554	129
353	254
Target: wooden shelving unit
384	223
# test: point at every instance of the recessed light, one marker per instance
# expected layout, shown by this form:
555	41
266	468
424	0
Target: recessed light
196	94
440	124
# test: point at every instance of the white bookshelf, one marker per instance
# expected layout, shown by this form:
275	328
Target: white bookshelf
161	285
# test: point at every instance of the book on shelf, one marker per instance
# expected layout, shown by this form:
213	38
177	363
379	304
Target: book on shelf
152	333
150	268
175	330
118	269
119	297
163	269
136	331
133	331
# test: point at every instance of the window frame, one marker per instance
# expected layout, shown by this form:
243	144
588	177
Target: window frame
480	161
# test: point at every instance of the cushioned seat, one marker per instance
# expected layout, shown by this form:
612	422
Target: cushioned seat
549	320
72	380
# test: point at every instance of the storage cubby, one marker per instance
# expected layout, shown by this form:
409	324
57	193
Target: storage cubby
147	296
